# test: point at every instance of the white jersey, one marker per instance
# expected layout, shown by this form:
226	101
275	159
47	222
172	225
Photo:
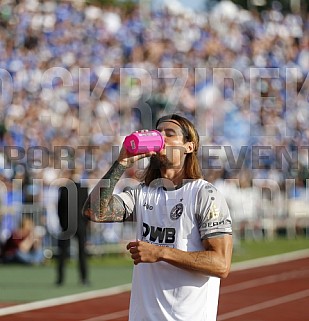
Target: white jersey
179	219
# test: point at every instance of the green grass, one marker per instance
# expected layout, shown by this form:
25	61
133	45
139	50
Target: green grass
247	250
30	283
25	283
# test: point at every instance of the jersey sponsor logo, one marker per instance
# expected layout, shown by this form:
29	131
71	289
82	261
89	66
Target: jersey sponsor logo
159	234
176	211
217	223
148	207
213	212
159	244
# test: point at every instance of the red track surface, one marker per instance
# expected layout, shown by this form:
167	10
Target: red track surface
278	292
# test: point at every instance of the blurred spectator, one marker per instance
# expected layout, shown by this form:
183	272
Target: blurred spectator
10	207
24	245
72	197
78	78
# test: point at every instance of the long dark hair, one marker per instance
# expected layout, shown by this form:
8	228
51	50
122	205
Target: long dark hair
192	169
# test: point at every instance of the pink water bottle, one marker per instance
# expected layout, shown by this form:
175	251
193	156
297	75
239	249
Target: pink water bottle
144	142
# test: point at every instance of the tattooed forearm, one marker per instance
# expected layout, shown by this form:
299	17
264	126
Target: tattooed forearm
101	206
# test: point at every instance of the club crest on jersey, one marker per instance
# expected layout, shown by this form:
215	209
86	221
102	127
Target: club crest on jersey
176	211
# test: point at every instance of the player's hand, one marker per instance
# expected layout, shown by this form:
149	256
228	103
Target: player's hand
143	252
126	159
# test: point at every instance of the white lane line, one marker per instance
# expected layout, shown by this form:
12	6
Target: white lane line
264	305
264	281
64	300
110	316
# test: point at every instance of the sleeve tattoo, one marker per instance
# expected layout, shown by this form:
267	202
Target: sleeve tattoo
101	205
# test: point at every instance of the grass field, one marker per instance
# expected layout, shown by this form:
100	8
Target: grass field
247	250
26	283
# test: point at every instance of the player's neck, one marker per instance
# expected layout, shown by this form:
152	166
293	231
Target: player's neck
176	176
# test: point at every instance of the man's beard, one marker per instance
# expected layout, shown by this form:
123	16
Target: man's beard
160	161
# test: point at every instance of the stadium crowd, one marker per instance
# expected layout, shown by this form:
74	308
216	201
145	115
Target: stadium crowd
77	78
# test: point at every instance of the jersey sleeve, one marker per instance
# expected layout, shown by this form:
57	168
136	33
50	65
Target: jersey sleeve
128	198
212	213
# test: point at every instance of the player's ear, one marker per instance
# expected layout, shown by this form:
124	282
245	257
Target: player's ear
189	146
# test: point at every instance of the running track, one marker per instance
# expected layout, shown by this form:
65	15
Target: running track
273	289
